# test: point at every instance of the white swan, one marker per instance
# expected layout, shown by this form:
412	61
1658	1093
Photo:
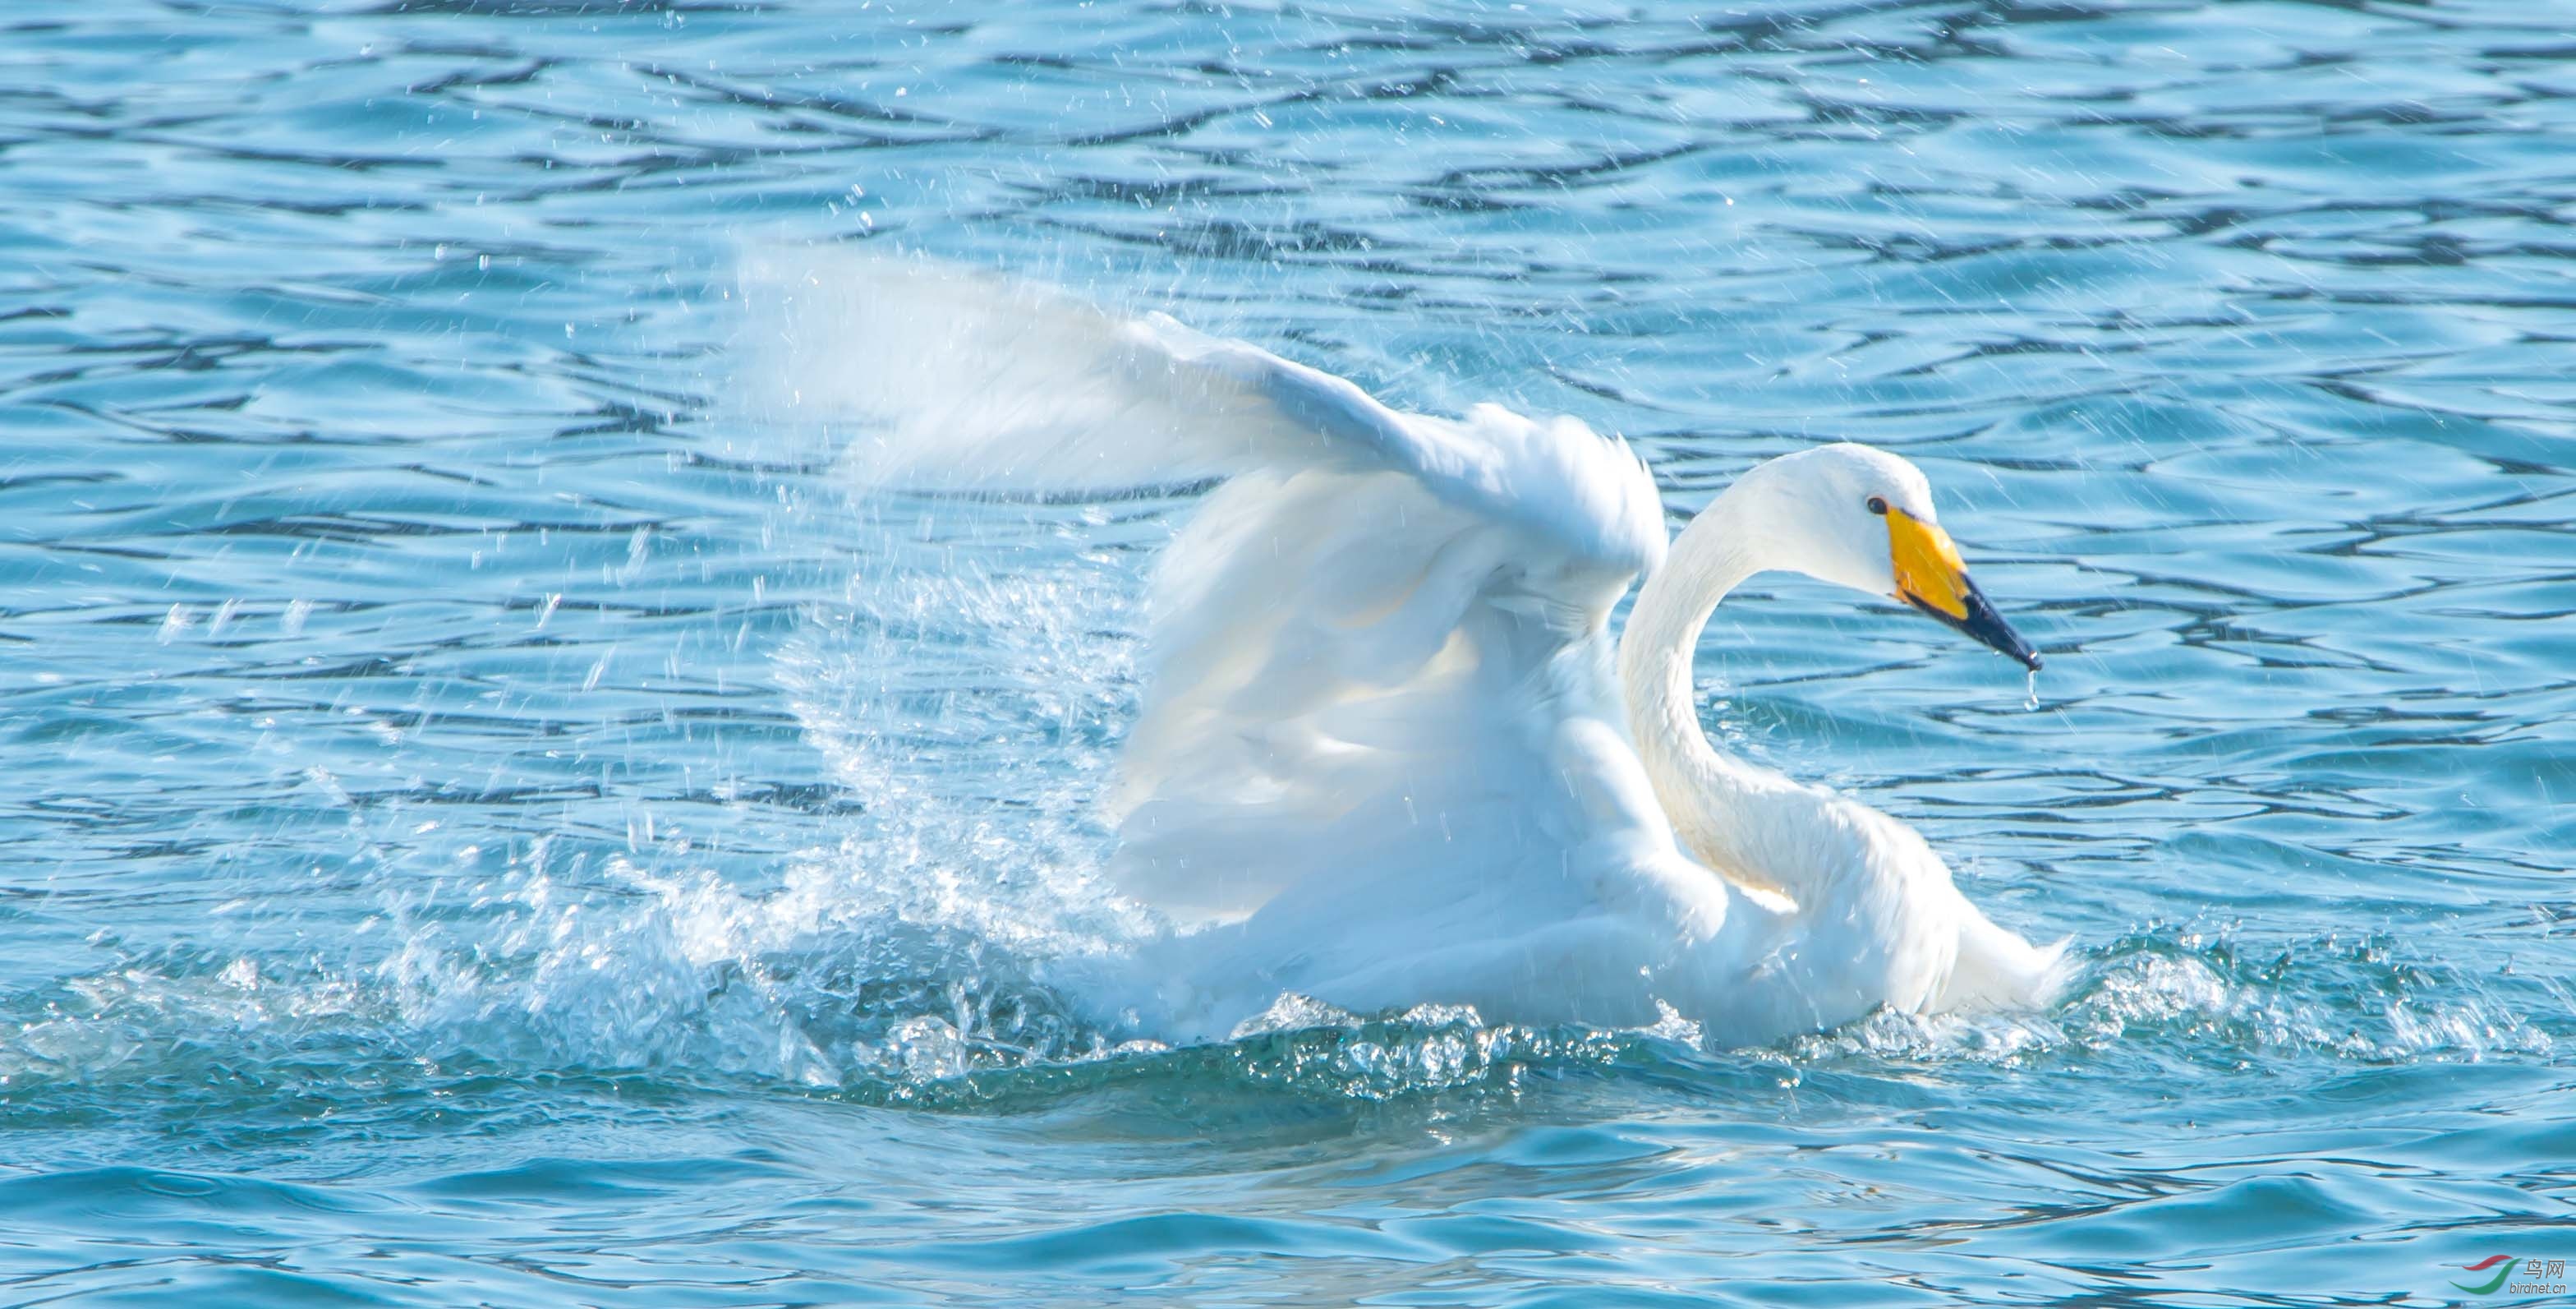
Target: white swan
1388	754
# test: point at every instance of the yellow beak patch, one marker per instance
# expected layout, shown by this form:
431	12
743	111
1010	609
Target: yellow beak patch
1929	570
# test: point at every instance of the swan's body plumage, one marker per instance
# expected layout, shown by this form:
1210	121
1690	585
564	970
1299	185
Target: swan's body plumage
1389	752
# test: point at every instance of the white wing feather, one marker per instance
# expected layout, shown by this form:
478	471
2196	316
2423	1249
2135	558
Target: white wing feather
1360	644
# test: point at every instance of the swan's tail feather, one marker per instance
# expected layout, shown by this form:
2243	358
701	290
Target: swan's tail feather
1997	969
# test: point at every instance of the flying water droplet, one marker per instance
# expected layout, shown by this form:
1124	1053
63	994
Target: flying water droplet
2030	689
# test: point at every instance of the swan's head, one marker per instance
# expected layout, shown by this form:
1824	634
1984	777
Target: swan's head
1861	517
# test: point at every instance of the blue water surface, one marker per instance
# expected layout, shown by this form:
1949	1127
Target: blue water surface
496	819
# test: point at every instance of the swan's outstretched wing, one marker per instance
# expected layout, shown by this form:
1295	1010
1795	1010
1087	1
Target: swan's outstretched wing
1376	651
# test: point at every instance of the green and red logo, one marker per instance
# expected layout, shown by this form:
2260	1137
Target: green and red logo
2501	1263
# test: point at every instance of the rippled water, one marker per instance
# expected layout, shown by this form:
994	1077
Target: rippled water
495	820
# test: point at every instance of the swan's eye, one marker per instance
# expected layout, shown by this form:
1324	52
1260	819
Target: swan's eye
1878	506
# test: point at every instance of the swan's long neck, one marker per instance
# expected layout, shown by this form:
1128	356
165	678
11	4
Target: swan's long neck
1721	807
1875	882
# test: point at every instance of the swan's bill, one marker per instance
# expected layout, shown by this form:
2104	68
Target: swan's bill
1931	577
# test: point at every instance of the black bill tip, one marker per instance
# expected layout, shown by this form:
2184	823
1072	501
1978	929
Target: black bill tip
1987	626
